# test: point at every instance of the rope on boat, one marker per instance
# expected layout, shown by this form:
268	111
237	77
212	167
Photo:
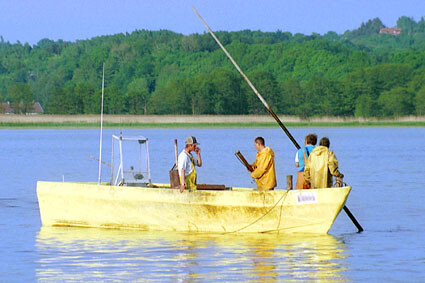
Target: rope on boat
280	214
262	216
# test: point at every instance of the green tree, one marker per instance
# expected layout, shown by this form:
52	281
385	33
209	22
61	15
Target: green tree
323	97
14	95
27	99
138	96
396	102
228	97
114	102
172	99
420	101
88	101
60	102
352	89
293	96
268	87
21	98
202	95
406	24
369	28
366	106
2	108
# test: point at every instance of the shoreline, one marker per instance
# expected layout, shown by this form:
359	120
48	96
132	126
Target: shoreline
9	121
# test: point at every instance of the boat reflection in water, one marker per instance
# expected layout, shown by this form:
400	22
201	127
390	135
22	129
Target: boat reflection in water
83	254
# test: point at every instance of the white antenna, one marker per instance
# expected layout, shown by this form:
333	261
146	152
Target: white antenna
101	125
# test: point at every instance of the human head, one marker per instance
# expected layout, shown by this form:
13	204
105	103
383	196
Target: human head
259	143
191	142
325	142
311	139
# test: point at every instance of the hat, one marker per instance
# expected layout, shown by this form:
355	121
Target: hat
191	140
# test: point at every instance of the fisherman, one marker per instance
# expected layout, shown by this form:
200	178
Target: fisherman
186	164
321	166
263	170
301	157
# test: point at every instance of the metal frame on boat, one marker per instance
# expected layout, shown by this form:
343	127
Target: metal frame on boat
135	172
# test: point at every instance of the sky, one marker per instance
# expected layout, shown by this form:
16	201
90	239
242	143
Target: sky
71	20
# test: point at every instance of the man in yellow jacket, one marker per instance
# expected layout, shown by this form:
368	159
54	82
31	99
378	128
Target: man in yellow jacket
321	166
263	170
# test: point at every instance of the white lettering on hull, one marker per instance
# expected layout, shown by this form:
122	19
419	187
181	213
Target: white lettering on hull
306	197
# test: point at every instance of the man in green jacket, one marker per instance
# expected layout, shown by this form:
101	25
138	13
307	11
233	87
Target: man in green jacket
321	166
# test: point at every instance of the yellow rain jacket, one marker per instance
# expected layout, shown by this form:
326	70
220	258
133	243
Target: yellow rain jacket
321	166
264	172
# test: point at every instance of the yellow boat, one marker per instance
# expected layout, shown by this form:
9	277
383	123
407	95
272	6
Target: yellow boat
229	211
136	203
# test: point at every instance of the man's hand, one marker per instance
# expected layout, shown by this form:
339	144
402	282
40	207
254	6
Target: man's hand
198	154
182	187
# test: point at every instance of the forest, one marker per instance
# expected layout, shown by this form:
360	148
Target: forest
361	73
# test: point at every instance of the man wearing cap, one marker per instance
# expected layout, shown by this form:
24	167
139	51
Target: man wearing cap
186	164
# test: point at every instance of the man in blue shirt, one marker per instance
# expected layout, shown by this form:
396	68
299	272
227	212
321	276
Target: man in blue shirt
309	142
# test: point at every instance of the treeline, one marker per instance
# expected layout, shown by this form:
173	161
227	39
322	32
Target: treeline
359	73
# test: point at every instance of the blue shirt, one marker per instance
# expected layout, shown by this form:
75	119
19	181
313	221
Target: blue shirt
308	149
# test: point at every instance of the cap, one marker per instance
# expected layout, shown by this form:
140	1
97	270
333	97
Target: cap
191	140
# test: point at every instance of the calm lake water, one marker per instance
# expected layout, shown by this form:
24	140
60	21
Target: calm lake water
384	166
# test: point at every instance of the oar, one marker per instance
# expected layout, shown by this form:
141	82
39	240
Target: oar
350	215
359	227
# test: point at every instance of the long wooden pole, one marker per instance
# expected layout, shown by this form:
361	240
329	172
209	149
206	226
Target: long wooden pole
249	82
353	219
176	154
243	160
350	215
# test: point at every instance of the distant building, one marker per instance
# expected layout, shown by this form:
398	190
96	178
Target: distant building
7	108
36	108
392	31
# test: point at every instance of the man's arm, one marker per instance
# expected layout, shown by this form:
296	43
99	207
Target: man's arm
333	166
297	161
262	165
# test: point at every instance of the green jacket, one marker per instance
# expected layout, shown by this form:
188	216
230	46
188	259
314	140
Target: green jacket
321	166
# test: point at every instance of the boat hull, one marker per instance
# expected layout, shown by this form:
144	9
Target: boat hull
164	209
